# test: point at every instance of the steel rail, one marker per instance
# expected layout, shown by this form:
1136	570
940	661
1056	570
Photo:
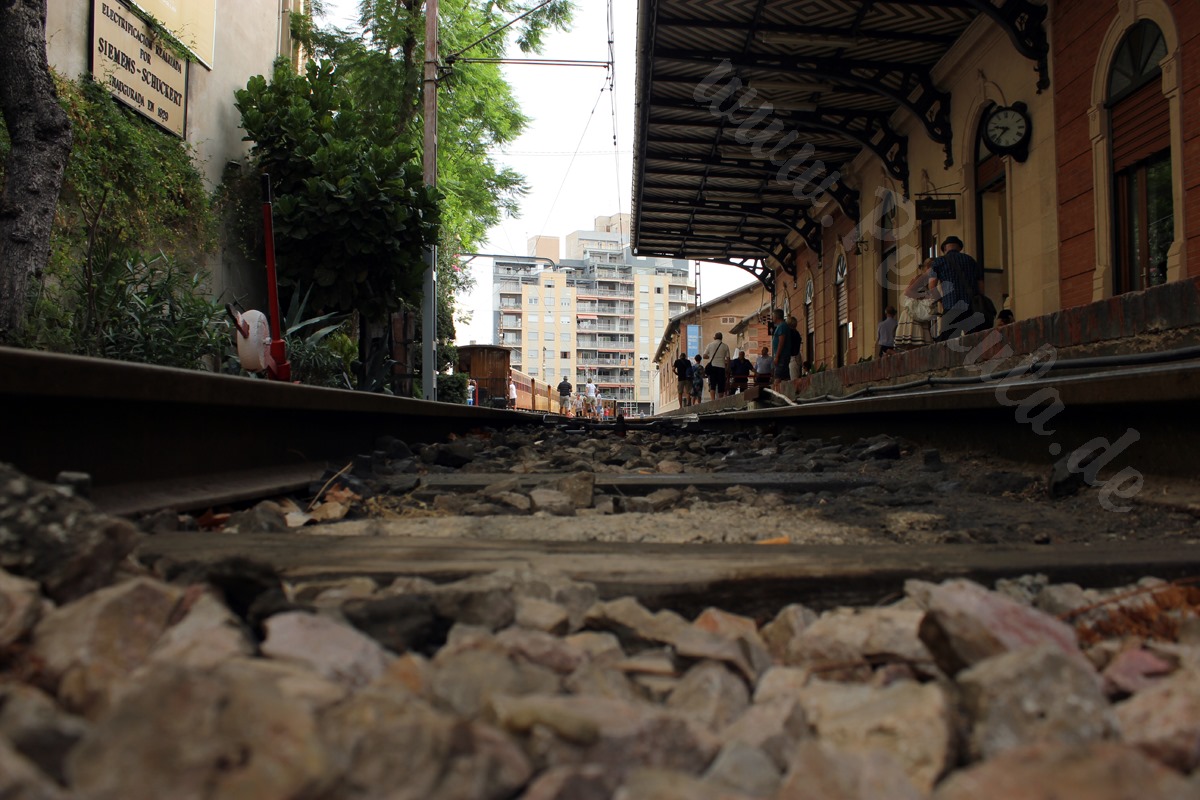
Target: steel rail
152	437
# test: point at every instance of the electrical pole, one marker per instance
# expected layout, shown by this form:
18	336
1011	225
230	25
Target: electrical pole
430	312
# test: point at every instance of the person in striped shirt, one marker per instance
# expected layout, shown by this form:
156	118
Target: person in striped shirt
956	278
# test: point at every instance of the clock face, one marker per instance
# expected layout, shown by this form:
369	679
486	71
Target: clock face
1006	128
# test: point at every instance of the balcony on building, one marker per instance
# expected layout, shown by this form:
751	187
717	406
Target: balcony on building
624	309
508	321
613	289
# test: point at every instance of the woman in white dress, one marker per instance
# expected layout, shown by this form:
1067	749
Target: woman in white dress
916	311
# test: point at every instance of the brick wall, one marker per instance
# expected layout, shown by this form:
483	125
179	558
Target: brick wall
1124	323
1078	29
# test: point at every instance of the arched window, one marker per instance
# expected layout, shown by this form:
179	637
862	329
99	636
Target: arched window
843	310
1143	206
887	252
991	214
810	326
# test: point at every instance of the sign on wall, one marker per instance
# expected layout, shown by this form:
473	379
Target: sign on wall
929	208
192	22
137	66
693	340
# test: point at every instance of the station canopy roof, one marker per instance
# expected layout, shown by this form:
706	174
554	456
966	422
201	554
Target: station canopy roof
748	110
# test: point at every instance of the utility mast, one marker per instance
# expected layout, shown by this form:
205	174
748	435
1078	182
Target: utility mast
430	305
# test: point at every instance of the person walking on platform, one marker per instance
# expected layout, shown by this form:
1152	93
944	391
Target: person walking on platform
716	357
589	399
781	348
683	374
956	279
913	325
564	396
885	338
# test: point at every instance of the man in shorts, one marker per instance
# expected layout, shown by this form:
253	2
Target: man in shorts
683	373
589	399
564	396
716	357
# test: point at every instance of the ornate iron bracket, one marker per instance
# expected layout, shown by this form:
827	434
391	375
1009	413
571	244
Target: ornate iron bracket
1025	24
759	270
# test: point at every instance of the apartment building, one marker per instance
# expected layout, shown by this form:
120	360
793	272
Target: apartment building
597	313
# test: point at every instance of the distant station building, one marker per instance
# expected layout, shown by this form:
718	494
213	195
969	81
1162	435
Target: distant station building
597	313
186	91
742	317
829	147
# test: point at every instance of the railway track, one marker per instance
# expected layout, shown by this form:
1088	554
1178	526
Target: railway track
152	438
527	592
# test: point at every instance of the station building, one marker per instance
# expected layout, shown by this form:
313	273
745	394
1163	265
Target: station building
741	316
188	94
828	147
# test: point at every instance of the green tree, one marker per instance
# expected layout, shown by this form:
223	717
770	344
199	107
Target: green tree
352	214
383	59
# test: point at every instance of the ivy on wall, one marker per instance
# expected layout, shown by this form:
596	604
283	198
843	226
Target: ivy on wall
133	222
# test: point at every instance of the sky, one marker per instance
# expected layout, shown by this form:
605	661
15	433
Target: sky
566	154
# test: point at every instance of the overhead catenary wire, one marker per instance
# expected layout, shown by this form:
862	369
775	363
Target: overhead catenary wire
612	94
453	56
567	171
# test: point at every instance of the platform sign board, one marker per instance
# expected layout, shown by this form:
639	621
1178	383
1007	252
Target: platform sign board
930	208
693	340
192	22
137	66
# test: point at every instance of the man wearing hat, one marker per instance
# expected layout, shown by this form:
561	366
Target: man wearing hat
956	278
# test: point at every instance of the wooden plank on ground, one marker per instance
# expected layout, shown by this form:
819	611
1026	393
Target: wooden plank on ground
204	491
638	483
752	579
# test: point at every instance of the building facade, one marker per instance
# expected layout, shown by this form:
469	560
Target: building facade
830	152
598	315
228	42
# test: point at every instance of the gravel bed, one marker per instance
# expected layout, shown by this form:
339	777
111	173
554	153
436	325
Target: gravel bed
124	680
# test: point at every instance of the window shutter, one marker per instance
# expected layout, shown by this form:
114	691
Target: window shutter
1141	126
